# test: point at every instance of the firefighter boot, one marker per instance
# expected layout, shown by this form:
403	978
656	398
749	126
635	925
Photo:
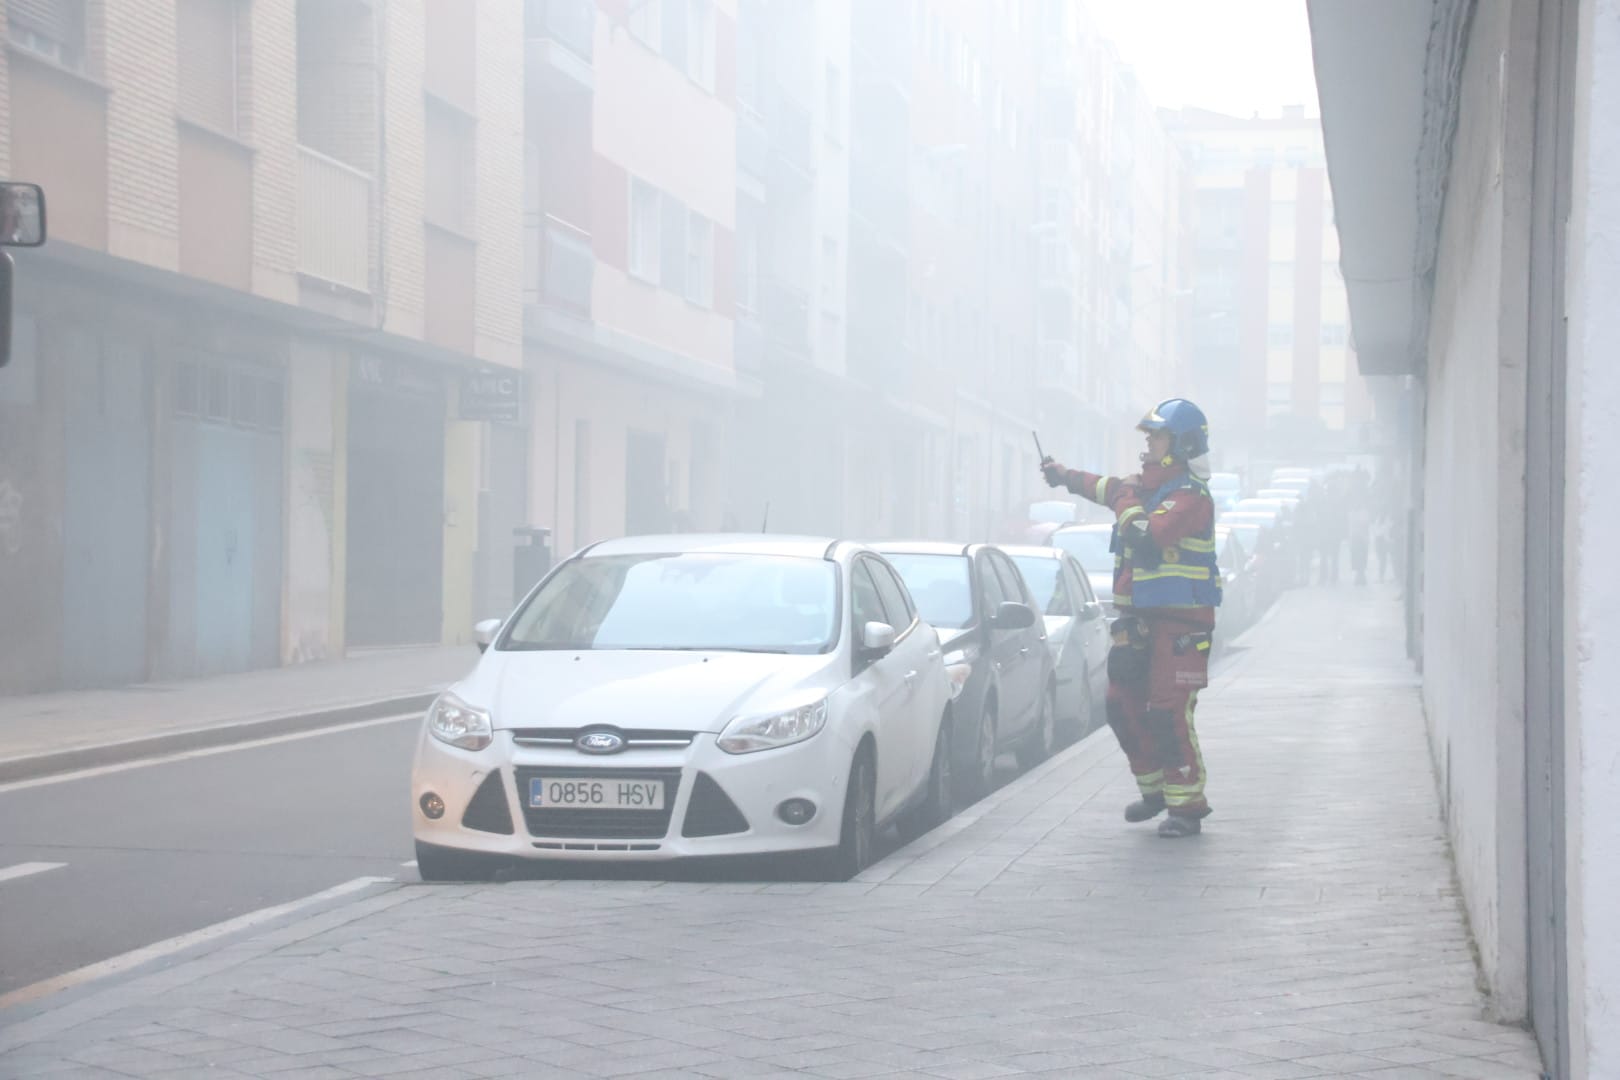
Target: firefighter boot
1179	825
1146	808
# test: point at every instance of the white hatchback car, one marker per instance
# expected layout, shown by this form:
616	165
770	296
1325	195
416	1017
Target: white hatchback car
658	698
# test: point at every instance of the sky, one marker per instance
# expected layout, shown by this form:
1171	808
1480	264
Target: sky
1232	56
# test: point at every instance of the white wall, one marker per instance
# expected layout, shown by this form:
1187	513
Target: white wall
1474	503
1592	576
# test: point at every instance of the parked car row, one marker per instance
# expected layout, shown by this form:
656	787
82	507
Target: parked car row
660	698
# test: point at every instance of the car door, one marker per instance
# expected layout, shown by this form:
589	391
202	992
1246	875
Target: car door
917	652
1065	641
999	646
1015	662
1089	633
880	689
1033	651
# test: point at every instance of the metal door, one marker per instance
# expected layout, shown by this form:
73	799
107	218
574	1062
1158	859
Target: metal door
225	550
106	484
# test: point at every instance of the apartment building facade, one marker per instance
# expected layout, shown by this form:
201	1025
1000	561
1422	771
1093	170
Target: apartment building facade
1271	342
232	433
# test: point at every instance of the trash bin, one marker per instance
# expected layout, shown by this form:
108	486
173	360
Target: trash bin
531	559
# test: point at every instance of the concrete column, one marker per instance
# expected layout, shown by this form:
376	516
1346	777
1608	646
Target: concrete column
314	437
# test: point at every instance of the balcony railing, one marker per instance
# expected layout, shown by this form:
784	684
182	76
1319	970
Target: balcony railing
753	142
334	221
786	316
562	265
570	23
792	132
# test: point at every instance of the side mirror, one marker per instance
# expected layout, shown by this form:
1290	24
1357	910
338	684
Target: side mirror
877	639
484	633
1012	615
1091	610
22	215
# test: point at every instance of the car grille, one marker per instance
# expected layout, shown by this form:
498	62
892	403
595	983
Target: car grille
487	811
634	738
593	824
710	812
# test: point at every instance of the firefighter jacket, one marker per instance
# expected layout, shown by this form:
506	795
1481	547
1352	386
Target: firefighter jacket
1170	564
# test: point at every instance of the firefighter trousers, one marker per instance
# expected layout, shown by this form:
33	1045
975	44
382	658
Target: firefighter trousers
1155	671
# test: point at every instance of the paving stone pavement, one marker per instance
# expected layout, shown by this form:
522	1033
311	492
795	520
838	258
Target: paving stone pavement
1313	930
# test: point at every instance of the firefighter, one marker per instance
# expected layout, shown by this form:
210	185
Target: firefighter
1166	588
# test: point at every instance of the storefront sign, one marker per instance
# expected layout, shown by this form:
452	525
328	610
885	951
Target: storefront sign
493	395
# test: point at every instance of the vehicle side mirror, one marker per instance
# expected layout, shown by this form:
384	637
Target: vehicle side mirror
1012	615
22	215
1091	610
484	633
877	640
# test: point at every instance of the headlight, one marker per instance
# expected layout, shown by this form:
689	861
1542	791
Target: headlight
745	735
455	722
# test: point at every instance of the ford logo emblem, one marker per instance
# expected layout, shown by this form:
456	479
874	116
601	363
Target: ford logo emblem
600	742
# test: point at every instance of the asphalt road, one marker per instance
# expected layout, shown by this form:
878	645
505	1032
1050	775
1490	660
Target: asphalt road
93	866
163	849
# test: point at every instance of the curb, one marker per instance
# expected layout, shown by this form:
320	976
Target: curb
86	757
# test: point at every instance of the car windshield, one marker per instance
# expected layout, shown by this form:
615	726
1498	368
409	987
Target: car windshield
1041	575
706	602
1089	547
939	585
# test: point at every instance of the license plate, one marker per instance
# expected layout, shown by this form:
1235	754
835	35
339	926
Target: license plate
576	794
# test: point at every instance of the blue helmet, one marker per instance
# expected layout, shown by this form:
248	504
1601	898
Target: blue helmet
1189	430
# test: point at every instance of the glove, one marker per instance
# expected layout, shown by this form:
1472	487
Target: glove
1056	475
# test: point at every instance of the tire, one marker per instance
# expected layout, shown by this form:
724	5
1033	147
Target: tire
936	806
981	778
1038	746
858	837
434	863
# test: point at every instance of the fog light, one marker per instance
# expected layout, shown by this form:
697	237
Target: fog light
432	806
796	811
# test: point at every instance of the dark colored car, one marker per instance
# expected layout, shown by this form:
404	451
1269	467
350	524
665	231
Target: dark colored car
1003	684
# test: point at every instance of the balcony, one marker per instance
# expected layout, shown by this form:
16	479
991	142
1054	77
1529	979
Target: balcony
785	313
792	138
334	222
561	265
753	143
561	35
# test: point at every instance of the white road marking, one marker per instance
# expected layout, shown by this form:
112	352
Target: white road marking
27	868
160	949
207	751
408	865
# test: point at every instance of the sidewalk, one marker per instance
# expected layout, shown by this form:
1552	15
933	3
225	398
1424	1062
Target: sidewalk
43	733
1311	931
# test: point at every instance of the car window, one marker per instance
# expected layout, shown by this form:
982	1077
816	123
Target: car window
866	605
1012	583
1044	576
939	586
895	601
1079	584
693	601
990	592
1090	547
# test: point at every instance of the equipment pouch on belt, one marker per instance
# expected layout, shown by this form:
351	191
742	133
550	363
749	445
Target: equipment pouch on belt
1128	659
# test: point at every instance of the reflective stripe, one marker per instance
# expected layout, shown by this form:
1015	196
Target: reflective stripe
1193	543
1175	570
1102	489
1130	514
1151	783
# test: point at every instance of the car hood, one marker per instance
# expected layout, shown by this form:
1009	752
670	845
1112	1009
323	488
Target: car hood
667	691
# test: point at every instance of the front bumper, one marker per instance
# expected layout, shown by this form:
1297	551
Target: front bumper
716	804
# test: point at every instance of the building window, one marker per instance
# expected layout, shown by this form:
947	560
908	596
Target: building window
747	259
1279	397
644	228
646	22
1335	334
672	262
699	56
1012	126
829	273
699	260
450	154
207	39
1280	335
53	29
